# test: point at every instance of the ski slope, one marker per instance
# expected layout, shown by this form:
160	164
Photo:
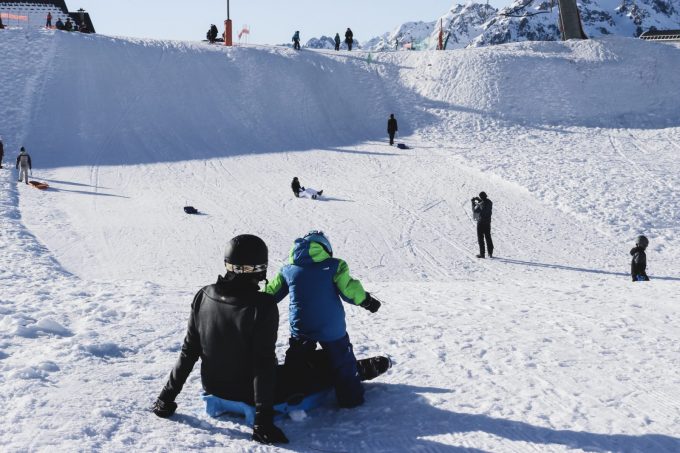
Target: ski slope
547	347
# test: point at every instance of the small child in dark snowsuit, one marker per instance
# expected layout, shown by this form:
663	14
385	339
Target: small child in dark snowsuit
638	265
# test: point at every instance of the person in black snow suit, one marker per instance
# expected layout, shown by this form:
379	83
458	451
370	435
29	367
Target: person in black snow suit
296	40
337	41
481	208
24	165
297	188
638	265
349	38
392	128
232	329
2	151
212	34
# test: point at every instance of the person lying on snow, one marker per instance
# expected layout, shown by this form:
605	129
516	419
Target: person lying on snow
233	330
300	191
316	282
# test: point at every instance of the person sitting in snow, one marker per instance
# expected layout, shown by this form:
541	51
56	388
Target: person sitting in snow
233	330
59	24
638	265
316	284
68	26
23	164
300	191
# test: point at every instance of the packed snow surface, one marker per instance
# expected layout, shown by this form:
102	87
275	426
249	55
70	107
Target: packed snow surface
547	347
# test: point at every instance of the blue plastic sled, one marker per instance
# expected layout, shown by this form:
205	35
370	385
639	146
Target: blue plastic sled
216	407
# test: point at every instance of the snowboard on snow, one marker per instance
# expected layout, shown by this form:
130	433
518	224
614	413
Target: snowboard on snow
216	407
39	185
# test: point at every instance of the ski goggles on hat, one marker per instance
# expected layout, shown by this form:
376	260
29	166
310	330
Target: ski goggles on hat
245	268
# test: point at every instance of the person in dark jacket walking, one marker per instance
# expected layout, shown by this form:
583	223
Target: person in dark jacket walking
392	128
638	265
349	38
481	209
296	40
2	151
24	164
337	41
315	283
232	329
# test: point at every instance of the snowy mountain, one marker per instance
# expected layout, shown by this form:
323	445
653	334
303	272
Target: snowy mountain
478	24
411	35
548	347
529	20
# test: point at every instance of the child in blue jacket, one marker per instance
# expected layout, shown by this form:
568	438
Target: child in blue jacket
317	284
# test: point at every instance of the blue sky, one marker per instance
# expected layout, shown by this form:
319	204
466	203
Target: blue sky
270	21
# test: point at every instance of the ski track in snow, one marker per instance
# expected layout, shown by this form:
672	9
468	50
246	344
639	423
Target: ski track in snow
547	347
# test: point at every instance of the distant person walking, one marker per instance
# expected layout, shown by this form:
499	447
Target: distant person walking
392	128
349	38
337	41
481	209
48	23
2	151
24	165
296	40
638	266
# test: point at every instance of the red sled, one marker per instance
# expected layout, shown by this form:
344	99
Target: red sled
39	185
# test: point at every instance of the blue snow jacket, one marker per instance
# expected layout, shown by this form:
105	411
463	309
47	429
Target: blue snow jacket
316	283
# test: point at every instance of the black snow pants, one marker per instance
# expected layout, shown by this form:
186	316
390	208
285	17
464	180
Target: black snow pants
484	232
391	138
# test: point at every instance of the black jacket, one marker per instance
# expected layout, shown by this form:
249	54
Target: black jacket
638	265
349	35
295	185
484	209
232	328
392	126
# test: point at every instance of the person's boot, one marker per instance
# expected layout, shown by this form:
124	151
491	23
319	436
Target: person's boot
480	256
373	367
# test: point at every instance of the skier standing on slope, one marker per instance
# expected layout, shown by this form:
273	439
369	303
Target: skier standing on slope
638	265
481	209
48	22
316	282
392	128
2	151
296	40
349	38
24	164
232	329
337	41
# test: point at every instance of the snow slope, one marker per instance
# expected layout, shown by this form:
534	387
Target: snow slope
548	347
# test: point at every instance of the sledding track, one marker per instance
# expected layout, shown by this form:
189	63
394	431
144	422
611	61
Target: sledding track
547	348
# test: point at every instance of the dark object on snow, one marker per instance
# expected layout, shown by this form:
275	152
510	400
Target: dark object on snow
403	146
481	210
2	151
190	210
265	431
392	128
349	38
638	265
337	41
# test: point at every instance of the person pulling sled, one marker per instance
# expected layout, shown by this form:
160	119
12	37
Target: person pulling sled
24	165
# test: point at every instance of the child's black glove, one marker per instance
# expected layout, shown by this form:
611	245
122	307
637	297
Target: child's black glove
370	304
164	409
